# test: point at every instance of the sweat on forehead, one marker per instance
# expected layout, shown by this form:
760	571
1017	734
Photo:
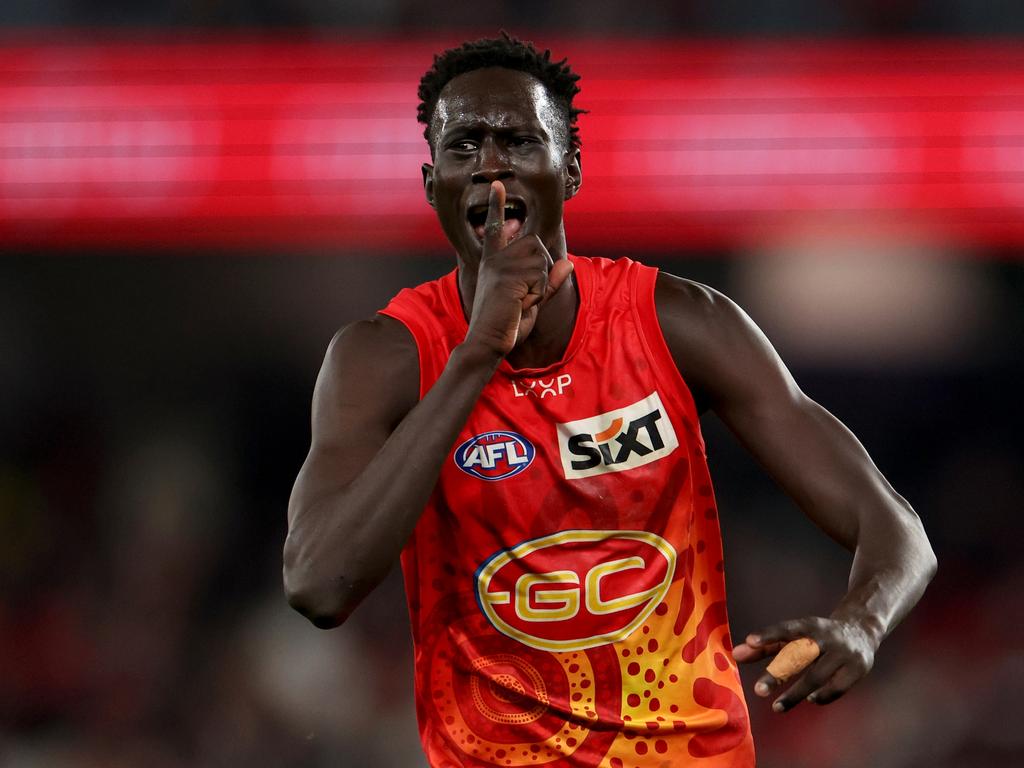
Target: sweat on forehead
500	96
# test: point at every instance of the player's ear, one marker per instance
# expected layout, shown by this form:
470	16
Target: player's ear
428	183
573	173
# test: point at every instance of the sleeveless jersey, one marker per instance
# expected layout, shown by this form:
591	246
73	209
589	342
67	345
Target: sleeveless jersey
565	581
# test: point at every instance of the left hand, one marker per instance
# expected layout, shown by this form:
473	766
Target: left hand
847	654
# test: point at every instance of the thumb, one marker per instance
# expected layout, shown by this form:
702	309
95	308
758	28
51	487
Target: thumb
557	275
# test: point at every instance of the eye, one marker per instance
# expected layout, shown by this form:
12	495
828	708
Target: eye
462	145
521	141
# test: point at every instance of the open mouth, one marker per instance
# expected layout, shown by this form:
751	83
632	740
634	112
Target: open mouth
515	217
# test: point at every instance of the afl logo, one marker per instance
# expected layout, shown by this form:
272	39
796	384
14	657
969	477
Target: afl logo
495	455
575	589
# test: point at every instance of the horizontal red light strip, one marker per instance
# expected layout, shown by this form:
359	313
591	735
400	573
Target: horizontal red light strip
250	145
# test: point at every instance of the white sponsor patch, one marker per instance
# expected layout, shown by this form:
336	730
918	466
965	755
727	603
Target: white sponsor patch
617	440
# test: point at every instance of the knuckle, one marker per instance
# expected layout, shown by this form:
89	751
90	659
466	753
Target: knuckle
862	663
857	658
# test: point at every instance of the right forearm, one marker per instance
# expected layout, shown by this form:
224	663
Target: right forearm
341	542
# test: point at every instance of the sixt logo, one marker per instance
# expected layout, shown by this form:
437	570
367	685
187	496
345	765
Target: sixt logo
617	440
575	589
495	455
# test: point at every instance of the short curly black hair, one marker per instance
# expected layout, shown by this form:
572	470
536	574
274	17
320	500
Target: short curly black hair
506	51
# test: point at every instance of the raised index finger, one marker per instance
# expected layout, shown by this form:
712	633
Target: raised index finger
494	227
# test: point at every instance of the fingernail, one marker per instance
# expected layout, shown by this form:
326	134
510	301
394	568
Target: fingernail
778	706
754	639
812	698
761	689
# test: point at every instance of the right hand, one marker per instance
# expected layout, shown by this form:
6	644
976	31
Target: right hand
513	281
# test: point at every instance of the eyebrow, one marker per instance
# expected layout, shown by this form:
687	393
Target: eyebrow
534	125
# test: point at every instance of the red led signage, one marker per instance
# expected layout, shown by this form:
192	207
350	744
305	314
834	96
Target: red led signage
253	145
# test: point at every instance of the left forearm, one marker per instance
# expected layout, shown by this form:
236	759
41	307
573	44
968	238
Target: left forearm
822	466
892	564
826	470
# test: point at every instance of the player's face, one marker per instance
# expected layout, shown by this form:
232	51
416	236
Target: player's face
499	124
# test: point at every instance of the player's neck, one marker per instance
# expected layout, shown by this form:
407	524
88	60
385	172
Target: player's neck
550	337
556	320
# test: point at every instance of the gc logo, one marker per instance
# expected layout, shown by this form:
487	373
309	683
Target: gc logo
575	589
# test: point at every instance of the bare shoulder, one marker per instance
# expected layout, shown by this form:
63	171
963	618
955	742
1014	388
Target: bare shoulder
370	373
688	309
714	343
381	340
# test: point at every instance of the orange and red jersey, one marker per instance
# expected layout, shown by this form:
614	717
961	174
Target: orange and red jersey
565	581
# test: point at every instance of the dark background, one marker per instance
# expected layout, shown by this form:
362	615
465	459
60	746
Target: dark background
154	412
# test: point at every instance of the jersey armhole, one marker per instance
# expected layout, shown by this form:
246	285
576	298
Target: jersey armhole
645	311
409	323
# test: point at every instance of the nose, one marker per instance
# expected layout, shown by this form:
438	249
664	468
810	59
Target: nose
492	163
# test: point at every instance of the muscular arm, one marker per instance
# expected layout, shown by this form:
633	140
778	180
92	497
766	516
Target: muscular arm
374	457
821	465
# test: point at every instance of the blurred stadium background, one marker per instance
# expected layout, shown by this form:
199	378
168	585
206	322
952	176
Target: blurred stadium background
194	196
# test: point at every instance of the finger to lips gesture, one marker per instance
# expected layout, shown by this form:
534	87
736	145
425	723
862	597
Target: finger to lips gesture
522	270
841	653
494	228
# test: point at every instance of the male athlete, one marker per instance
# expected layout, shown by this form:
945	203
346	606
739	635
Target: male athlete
524	433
